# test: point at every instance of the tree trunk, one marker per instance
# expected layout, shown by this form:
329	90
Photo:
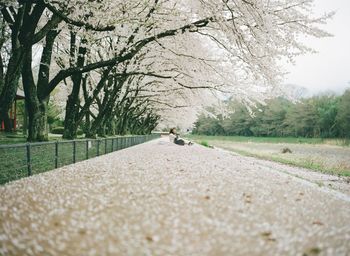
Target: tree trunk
87	123
71	122
37	127
101	131
94	127
110	126
7	121
36	109
23	29
25	122
91	134
10	86
36	101
37	115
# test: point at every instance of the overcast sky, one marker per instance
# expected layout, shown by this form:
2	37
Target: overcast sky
329	69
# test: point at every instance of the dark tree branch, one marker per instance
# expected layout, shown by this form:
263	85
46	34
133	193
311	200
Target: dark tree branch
135	48
8	14
52	23
85	25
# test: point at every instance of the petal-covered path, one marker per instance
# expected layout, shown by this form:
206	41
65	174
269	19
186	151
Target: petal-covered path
162	199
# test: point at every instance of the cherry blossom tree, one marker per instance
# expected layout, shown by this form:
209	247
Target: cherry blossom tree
223	45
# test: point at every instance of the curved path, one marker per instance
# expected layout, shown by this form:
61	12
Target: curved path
162	199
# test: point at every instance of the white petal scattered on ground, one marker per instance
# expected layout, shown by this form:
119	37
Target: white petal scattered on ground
337	183
162	199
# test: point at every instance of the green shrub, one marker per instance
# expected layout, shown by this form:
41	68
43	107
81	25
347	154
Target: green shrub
80	132
60	130
15	136
57	123
57	130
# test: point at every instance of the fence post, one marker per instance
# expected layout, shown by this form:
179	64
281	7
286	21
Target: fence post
56	154
112	145
87	149
29	162
105	146
74	151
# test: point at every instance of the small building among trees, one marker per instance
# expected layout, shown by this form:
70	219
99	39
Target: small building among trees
13	113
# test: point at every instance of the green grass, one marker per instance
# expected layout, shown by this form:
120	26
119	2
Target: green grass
11	138
205	143
17	138
14	159
224	142
293	140
315	166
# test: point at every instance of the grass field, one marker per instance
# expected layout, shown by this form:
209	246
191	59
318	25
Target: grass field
330	156
10	138
15	138
291	140
43	156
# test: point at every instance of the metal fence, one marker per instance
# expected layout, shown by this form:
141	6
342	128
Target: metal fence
22	160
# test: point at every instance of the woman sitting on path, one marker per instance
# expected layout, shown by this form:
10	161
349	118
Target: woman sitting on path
174	137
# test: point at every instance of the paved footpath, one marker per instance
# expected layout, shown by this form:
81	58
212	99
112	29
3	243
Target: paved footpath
162	199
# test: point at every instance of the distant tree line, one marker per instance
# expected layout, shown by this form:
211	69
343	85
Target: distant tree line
326	116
